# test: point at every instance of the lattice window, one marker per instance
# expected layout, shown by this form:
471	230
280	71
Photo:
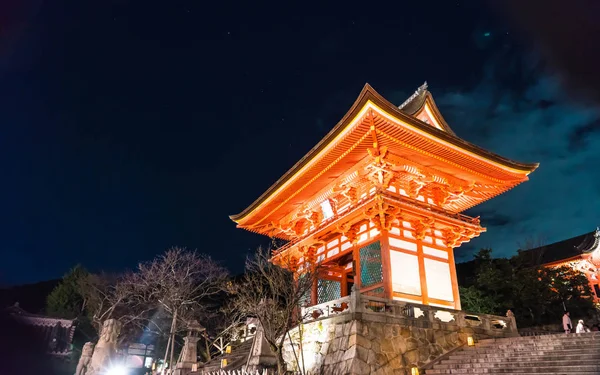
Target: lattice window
371	271
328	290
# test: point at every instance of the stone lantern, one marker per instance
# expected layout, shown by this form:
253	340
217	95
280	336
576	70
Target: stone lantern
188	361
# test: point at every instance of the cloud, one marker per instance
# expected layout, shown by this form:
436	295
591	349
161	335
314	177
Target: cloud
539	123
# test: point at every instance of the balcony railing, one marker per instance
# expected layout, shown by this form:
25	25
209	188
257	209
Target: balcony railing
376	306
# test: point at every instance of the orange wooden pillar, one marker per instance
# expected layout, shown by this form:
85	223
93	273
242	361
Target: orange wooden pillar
454	279
422	275
344	284
386	266
356	266
314	292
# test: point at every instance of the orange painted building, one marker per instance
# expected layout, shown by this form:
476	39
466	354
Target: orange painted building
378	202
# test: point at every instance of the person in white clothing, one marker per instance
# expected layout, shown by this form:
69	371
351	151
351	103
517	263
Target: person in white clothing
567	325
581	328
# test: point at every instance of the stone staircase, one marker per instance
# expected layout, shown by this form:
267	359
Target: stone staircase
235	360
534	355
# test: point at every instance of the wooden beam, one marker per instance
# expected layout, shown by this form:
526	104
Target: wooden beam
411	297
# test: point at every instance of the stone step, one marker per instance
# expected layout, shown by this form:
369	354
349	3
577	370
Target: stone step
558	336
530	349
575	369
540	355
427	372
539	346
587	337
539	342
513	364
590	354
524	358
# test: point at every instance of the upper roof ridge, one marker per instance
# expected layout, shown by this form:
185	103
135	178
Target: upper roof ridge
421	90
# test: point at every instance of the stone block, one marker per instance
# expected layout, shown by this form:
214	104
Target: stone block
371	358
419	333
437	350
376	370
334	346
352	340
424	353
324	347
439	337
339	330
364	342
346	366
411	358
452	338
329	359
388	331
412	343
396	363
376	330
362	353
399	344
405	332
350	353
359	367
342	343
387	346
429	336
364	328
375	346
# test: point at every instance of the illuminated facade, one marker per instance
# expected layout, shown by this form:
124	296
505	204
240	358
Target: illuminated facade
378	202
582	253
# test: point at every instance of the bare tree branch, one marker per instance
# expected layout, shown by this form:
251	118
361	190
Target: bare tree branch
272	294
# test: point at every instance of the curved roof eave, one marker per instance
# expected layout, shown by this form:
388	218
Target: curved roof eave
368	93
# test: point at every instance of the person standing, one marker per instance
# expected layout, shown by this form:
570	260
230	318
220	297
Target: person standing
567	325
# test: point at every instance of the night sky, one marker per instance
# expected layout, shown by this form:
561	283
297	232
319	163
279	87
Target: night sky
128	127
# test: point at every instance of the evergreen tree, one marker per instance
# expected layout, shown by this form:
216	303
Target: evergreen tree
66	301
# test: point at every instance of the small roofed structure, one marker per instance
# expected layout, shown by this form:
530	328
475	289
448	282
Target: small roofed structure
581	253
57	333
378	201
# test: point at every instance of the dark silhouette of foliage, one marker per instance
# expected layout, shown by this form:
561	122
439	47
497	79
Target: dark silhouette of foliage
66	301
537	295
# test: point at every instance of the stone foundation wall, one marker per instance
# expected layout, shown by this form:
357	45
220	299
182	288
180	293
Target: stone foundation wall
380	343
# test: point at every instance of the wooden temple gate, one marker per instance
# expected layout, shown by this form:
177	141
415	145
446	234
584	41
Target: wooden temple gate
377	203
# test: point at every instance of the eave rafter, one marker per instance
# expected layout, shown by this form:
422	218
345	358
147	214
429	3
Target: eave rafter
381	170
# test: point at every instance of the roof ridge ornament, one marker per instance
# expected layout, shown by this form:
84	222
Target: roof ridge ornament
418	92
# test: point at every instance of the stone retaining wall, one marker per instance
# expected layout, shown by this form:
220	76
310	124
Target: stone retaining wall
361	342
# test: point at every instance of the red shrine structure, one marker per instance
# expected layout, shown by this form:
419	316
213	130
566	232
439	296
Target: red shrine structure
581	253
378	201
